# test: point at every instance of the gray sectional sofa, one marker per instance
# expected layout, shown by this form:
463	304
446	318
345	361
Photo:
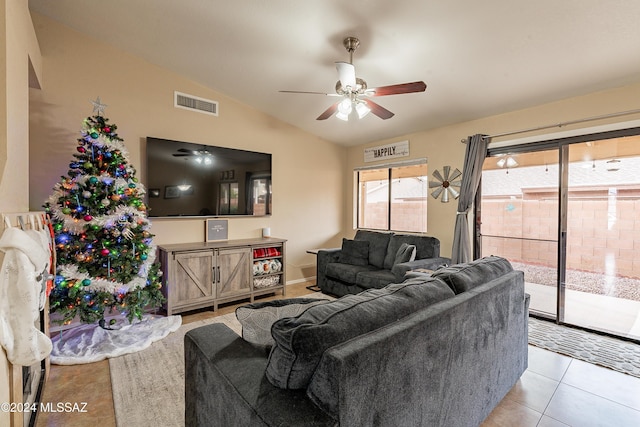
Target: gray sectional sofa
440	350
373	260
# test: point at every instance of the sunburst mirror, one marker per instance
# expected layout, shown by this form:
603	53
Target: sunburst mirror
444	184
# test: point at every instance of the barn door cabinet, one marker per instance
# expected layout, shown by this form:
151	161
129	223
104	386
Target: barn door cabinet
197	275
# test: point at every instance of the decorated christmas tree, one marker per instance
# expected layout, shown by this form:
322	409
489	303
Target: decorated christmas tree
105	254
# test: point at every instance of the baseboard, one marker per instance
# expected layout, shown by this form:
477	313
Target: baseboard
304	279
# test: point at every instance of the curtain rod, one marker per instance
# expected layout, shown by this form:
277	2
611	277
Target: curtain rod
571	122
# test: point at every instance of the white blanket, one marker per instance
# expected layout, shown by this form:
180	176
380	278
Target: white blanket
91	343
23	277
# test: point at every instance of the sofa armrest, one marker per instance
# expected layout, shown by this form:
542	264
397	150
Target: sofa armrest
400	270
325	256
225	385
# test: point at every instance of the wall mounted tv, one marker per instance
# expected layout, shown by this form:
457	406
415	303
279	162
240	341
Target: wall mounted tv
185	179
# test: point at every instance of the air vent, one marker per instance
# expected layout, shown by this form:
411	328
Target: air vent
194	103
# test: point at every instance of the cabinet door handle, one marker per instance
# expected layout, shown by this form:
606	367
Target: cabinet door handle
218	274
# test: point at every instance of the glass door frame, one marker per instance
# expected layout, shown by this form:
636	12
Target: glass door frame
562	146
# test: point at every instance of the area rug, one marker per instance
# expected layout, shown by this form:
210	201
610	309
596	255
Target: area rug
148	386
619	355
91	343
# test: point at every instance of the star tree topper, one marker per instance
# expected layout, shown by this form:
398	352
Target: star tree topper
98	107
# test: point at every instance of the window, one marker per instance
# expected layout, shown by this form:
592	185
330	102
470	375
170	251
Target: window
260	195
393	197
228	198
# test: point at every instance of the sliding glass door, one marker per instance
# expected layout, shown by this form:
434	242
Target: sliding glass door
568	215
603	236
519	219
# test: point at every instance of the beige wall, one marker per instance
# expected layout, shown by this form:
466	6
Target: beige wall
19	50
307	171
442	146
20	66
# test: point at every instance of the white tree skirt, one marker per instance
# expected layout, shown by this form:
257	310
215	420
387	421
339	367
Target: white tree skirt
91	343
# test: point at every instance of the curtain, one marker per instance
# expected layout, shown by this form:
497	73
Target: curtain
475	154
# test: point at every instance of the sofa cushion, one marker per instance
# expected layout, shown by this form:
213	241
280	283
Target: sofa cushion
256	319
354	252
375	279
462	277
426	247
378	244
346	272
300	341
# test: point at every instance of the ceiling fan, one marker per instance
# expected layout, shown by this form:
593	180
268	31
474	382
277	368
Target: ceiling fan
355	93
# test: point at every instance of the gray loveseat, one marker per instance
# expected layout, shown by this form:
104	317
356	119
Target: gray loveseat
448	362
370	261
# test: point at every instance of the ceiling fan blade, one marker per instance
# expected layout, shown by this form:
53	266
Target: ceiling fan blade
310	93
184	150
328	112
456	183
434	184
456	173
397	89
182	155
347	74
378	110
445	197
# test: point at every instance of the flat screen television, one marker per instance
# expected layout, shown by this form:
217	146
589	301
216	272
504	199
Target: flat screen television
186	179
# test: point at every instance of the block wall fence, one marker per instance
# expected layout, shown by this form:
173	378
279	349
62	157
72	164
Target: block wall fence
603	231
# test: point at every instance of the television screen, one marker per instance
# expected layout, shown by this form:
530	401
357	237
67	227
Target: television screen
188	179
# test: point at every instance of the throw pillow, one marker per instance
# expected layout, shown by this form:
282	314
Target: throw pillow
463	277
406	253
256	319
354	252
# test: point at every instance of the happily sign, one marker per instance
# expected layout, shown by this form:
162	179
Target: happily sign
389	151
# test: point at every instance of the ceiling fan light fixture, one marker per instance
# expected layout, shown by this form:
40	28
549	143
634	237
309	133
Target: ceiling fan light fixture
344	109
345	106
342	116
508	161
362	110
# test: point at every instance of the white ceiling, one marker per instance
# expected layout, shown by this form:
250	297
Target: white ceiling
478	58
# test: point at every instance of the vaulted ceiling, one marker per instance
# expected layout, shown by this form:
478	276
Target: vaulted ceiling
478	58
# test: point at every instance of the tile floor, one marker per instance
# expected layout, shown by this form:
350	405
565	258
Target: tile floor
555	391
